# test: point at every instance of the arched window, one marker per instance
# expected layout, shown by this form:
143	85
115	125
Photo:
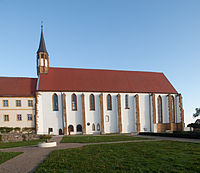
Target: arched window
93	127
92	102
98	127
173	110
71	128
55	102
79	128
126	101
109	102
159	104
74	102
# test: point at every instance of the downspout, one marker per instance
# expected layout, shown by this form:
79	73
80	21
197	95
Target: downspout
150	111
62	112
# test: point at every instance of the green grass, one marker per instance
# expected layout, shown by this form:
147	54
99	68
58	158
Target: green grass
19	144
99	138
156	156
4	156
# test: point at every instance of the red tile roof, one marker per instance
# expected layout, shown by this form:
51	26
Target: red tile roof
17	86
93	80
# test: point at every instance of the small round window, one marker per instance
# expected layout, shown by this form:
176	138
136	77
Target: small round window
88	123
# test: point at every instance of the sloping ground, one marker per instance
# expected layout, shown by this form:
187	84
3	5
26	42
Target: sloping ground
158	156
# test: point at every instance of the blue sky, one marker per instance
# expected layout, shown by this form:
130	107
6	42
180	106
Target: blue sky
142	35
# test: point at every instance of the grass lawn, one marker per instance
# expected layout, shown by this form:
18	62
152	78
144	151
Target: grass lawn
156	156
19	144
99	138
4	156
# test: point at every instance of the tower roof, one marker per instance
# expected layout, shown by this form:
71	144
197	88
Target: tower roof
42	47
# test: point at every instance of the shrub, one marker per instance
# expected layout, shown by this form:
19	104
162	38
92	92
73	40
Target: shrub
17	129
0	138
177	134
6	129
28	129
45	136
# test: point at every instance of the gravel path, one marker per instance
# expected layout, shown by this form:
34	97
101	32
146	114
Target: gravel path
32	155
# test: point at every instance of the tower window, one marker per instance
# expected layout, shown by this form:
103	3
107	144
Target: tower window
92	102
55	102
74	102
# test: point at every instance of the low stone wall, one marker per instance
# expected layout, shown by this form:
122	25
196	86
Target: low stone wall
15	137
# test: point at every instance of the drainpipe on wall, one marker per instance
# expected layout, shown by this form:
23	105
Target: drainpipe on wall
62	112
150	111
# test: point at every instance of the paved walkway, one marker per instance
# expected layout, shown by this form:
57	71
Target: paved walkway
31	158
32	155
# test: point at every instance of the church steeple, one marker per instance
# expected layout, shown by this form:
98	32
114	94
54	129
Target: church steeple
42	56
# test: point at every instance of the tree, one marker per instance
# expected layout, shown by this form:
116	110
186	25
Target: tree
197	113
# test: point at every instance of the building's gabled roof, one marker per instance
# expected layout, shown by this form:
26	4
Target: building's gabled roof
92	80
17	86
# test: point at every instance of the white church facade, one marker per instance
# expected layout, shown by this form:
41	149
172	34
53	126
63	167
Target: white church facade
91	101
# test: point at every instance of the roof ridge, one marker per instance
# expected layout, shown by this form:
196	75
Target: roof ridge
17	77
105	70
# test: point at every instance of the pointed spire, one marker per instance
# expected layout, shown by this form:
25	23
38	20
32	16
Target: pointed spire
42	47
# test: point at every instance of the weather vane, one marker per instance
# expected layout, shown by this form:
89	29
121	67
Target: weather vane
41	25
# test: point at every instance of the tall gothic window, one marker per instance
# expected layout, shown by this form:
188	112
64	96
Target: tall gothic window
126	101
74	102
159	104
92	102
173	110
109	102
55	102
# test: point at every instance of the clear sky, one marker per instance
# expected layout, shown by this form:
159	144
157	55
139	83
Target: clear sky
139	35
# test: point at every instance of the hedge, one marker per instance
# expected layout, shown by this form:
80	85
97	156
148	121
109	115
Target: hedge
193	135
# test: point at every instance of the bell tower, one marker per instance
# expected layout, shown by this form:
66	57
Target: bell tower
42	56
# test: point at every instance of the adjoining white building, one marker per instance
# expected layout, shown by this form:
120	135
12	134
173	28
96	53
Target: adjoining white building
90	101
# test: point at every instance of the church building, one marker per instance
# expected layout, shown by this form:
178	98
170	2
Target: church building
90	101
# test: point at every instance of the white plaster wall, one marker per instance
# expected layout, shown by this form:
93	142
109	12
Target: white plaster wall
112	125
74	117
47	117
144	112
92	116
12	111
128	115
54	119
